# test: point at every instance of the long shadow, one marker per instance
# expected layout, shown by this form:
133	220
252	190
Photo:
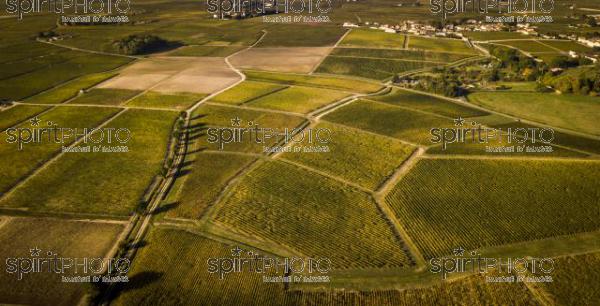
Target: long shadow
164	208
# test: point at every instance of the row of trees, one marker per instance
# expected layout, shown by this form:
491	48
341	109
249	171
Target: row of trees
581	81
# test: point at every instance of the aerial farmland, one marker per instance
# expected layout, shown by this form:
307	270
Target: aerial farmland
370	155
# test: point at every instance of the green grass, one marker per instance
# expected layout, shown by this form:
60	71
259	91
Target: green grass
105	96
439	44
371	68
416	55
575	276
349	148
212	172
388	120
78	182
307	212
14	115
70	89
314	81
173	269
68	239
178	101
26	85
428	103
373	39
18	163
443	204
573	112
527	45
246	91
212	51
298	99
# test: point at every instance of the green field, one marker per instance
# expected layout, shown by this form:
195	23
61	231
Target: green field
298	99
518	202
388	120
314	81
16	164
105	96
485	36
26	65
473	290
173	269
14	115
527	45
567	46
473	147
372	68
25	85
349	148
178	101
300	35
211	171
306	212
68	239
428	103
211	116
246	91
439	44
578	113
572	141
77	182
70	89
373	39
416	55
575	276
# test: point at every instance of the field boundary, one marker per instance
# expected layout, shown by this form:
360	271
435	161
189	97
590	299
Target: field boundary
50	161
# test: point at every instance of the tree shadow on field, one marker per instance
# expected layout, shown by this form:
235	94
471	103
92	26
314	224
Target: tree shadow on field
138	245
164	208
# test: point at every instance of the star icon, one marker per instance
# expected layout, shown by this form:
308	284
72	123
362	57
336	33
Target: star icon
459	121
236	121
35	121
459	251
236	251
35	252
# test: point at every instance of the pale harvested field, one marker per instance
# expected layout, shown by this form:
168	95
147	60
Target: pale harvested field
300	60
175	75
